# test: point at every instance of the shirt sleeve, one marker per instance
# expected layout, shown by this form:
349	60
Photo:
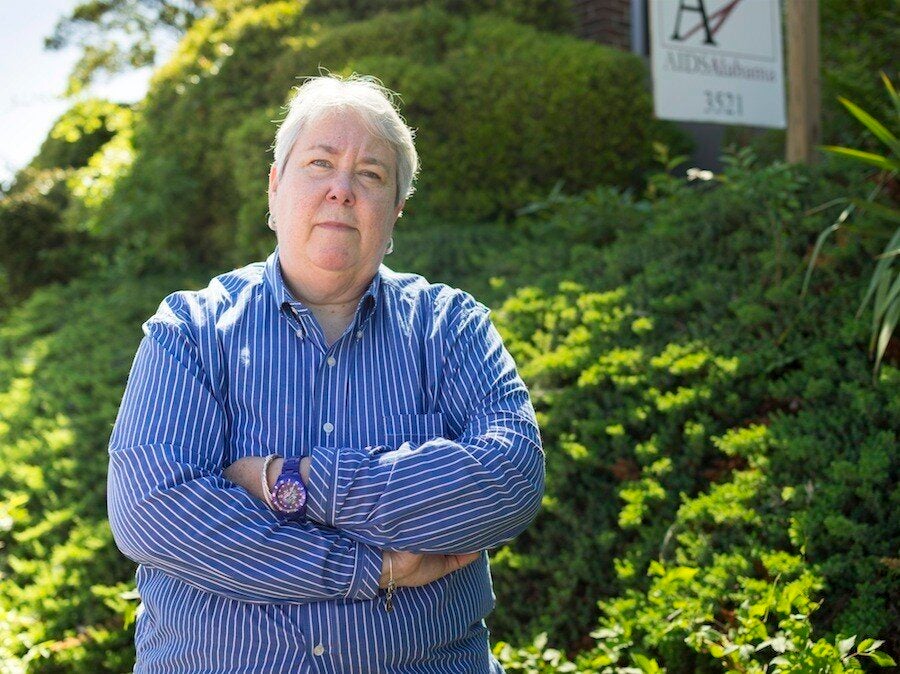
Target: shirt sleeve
444	496
170	506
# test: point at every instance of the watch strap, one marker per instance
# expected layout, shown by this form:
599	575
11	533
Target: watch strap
288	495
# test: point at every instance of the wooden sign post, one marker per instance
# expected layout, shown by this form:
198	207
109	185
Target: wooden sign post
804	97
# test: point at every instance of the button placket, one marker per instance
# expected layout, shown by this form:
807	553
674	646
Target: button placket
297	322
326	375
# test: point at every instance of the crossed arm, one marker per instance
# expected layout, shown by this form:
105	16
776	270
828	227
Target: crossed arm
175	506
407	569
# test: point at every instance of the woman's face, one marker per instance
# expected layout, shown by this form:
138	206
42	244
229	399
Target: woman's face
334	206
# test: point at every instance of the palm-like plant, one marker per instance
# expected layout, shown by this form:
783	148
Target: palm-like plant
885	284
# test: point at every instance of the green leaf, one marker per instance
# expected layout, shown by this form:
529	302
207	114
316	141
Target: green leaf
887	329
645	664
676	160
682	573
656	569
880	269
891	92
604	634
868	645
882	659
877	160
846	645
887	300
130	614
818	247
877	128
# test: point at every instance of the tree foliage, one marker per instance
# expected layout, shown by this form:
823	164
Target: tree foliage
113	36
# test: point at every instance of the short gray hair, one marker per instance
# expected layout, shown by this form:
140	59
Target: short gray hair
371	100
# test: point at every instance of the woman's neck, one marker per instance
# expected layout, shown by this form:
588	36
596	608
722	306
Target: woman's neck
326	293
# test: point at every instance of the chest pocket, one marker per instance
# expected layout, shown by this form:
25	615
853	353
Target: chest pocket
412	428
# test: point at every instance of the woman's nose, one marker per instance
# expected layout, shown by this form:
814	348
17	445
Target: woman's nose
341	189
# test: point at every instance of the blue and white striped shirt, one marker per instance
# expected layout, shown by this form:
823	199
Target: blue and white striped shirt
421	436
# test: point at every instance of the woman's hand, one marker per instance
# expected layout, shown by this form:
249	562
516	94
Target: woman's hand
247	473
411	569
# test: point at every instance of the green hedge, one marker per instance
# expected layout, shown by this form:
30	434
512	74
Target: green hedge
547	15
713	444
685	332
30	231
503	112
64	359
40	242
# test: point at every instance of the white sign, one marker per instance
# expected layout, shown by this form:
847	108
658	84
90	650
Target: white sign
718	61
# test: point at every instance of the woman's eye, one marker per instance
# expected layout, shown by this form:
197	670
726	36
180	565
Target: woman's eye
370	174
323	163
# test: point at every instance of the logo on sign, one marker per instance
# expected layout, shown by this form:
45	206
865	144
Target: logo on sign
710	23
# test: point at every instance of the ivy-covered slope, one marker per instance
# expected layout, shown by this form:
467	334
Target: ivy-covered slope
722	471
714	445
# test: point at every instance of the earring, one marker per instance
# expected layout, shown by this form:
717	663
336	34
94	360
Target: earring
390	248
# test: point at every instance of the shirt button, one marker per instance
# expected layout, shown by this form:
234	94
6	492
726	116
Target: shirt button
299	332
319	650
331	361
359	334
328	427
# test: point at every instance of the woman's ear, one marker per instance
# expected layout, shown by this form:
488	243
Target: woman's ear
273	186
273	180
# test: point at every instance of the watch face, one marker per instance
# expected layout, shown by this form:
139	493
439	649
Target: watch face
289	496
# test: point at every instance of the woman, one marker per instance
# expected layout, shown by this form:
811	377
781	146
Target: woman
314	453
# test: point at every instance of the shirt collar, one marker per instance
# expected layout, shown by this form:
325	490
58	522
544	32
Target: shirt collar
286	301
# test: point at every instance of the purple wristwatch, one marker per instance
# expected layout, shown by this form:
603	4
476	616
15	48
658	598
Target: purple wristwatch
289	493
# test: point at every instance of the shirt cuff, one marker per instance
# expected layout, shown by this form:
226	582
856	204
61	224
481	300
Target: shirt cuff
322	486
366	573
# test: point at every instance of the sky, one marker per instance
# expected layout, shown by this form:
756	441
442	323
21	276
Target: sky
33	79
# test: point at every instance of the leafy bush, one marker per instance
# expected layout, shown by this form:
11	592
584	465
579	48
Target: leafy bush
34	248
64	359
546	15
80	132
701	425
201	145
39	244
714	390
